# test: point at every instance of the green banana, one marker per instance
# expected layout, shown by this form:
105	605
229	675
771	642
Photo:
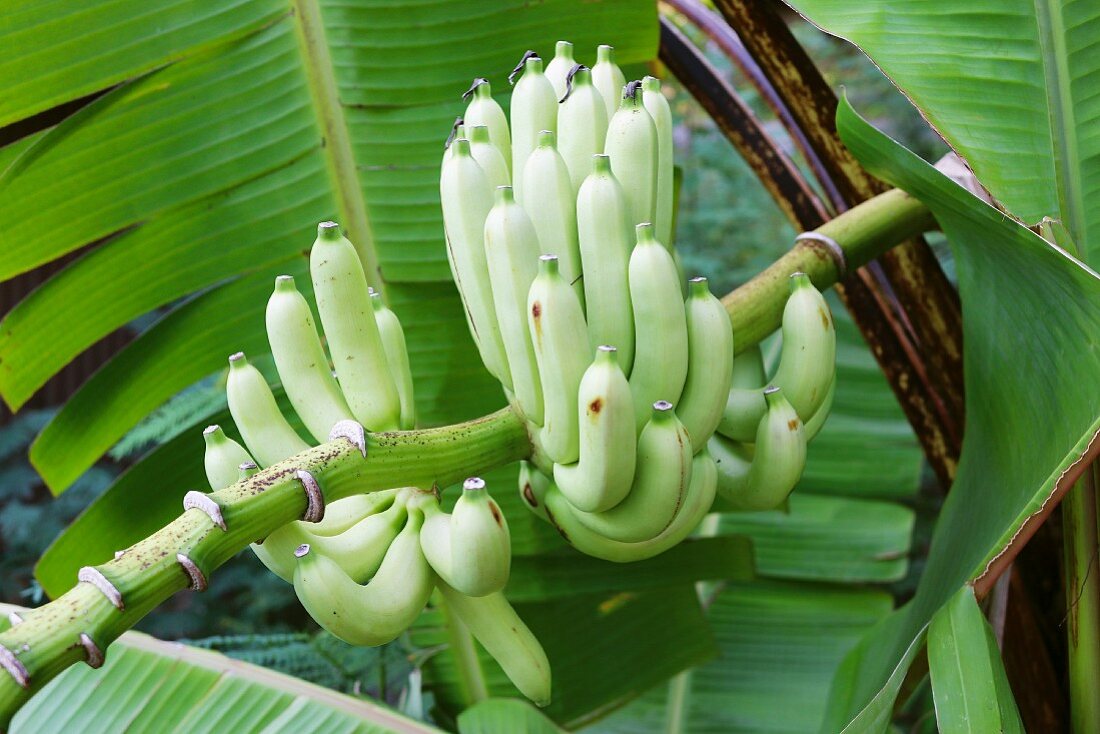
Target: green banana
222	458
660	325
657	106
553	208
488	157
710	364
633	147
469	548
602	477
533	486
512	250
343	303
495	624
696	505
734	460
608	79
606	236
360	549
397	356
582	124
745	404
381	610
303	367
534	108
466	197
560	338
265	431
808	362
777	462
557	71
817	420
661	478
484	110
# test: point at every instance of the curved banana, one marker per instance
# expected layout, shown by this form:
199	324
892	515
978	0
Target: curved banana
512	250
533	486
495	624
710	364
734	460
606	237
657	106
808	361
265	431
608	78
470	548
488	156
557	70
466	197
777	462
745	404
484	110
343	302
696	505
397	356
534	108
301	361
817	420
660	326
582	124
560	337
632	145
602	477
377	612
360	549
222	458
661	478
552	206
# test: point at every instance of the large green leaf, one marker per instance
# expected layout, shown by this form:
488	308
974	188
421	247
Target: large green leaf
1010	84
1031	396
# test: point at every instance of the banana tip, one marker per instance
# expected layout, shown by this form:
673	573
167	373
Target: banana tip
473	484
302	550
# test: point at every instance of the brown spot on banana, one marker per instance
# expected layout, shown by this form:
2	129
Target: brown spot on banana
529	495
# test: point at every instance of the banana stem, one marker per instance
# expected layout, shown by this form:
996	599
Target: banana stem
80	624
1082	568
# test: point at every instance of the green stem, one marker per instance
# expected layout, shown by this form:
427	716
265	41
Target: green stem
1082	565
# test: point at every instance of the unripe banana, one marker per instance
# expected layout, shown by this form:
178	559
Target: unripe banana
710	364
661	479
377	612
660	326
558	69
560	337
745	404
470	548
582	124
734	460
657	106
360	549
817	421
222	458
484	110
512	250
466	197
397	356
533	486
347	316
601	479
534	108
265	431
488	157
608	79
632	145
696	505
777	462
495	624
458	130
552	206
606	237
808	361
303	366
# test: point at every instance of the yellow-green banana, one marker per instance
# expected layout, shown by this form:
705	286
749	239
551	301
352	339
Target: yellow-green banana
608	79
484	110
488	156
533	486
495	624
469	548
265	431
466	197
657	106
534	108
745	404
223	458
710	364
661	478
777	462
602	477
734	460
606	237
303	367
397	355
660	326
808	362
552	206
558	69
512	251
347	316
582	124
560	337
632	145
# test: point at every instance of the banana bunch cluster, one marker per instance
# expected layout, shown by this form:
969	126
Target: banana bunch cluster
366	567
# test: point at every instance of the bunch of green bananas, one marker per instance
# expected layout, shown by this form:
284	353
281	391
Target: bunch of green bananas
366	567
